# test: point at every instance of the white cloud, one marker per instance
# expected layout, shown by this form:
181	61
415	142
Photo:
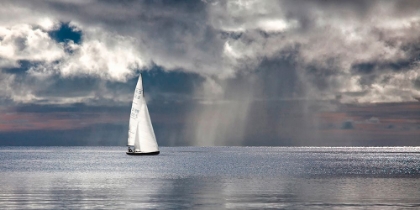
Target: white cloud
23	42
109	56
276	25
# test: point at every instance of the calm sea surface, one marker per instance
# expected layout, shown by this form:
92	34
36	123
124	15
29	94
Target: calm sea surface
210	178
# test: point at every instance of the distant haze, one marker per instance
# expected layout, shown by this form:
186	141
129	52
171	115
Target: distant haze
279	73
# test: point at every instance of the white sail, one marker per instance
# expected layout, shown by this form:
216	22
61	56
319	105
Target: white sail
140	132
145	135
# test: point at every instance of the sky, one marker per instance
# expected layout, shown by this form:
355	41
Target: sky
216	73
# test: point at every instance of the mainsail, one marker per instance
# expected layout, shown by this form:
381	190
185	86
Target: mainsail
140	132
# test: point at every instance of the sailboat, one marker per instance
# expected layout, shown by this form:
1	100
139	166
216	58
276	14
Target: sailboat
141	137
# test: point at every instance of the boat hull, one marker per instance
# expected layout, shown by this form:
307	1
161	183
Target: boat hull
143	153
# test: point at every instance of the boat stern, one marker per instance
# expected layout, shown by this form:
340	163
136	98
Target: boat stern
130	149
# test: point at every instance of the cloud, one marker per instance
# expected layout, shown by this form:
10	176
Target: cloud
225	56
24	42
339	48
328	41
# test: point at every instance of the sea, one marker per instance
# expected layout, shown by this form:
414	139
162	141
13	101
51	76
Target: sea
210	178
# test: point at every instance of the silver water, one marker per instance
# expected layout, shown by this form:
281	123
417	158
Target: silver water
210	178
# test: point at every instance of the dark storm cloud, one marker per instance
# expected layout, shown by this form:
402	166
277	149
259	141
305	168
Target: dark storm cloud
172	85
22	67
72	108
69	87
